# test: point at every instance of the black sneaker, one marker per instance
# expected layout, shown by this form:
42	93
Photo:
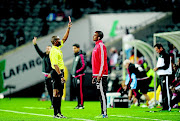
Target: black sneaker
81	107
56	116
61	116
104	116
77	107
165	110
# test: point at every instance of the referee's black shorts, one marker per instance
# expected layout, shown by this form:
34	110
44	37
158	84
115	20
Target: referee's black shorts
57	81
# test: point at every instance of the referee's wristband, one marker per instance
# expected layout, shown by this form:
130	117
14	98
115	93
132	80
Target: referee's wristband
60	75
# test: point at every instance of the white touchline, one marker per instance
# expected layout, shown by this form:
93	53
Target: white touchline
139	118
82	119
25	113
41	115
34	108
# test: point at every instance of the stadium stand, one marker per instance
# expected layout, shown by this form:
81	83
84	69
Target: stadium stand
28	13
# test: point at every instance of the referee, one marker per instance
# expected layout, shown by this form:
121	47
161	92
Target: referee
57	74
164	70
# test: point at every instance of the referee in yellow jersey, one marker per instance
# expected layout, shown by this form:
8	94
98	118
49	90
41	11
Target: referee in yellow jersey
57	73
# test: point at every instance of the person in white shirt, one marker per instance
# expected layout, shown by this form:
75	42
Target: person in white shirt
127	38
164	70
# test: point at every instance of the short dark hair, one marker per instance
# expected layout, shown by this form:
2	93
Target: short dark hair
158	45
100	34
54	38
77	45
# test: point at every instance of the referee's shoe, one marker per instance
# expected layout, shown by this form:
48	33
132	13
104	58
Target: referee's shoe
59	116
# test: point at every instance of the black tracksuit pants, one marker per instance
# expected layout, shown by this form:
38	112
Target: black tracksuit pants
49	87
78	88
166	95
102	89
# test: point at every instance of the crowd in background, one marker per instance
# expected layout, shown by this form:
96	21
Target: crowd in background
13	34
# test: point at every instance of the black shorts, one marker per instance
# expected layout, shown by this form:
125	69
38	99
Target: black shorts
57	81
143	85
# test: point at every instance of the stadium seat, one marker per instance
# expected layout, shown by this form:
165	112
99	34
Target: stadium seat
35	29
3	48
27	28
3	20
1	29
27	35
37	20
34	34
20	24
10	47
29	20
175	28
38	6
37	23
3	24
11	19
1	51
27	9
28	24
20	20
11	24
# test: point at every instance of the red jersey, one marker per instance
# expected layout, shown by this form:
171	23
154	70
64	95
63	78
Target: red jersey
99	60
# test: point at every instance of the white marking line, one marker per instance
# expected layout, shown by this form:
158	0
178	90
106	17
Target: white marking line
26	113
41	115
34	108
138	118
82	119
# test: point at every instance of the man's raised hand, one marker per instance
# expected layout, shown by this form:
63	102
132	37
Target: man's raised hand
34	40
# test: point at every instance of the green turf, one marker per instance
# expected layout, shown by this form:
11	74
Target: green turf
31	109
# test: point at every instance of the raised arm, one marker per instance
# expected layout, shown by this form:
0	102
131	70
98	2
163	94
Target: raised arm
67	32
41	54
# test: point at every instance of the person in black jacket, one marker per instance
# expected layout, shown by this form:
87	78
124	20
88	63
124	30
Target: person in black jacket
78	68
164	70
142	81
46	67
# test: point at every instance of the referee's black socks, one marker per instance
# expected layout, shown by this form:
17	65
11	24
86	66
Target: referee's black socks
59	105
55	105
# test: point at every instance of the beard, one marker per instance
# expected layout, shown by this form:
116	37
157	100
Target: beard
58	44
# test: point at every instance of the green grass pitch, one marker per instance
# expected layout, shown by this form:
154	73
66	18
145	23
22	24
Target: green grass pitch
31	109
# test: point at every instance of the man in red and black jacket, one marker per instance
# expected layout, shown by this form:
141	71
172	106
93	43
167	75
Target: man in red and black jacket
100	70
78	68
